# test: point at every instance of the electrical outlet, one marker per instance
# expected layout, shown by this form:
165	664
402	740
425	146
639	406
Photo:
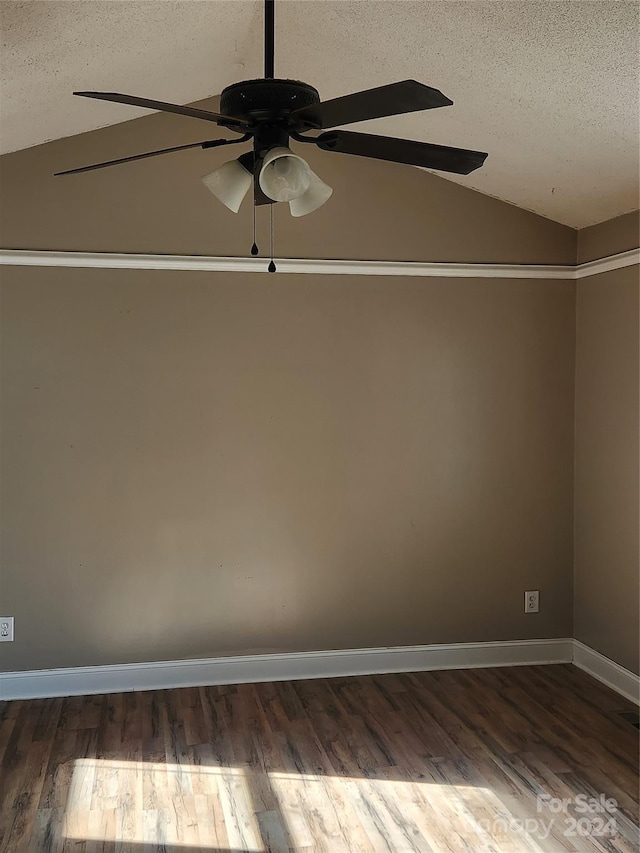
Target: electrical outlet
6	629
532	601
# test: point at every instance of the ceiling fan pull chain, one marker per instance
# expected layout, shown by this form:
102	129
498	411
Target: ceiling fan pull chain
254	247
272	266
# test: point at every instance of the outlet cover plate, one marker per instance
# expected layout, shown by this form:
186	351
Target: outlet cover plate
532	601
6	629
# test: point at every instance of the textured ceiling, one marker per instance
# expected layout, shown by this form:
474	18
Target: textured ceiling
549	89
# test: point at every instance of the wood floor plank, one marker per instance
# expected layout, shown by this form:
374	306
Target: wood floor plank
435	762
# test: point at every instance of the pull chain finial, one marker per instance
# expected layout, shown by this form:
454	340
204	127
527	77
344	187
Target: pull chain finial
254	247
272	266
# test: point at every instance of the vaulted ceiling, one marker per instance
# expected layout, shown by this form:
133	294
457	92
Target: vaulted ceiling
549	89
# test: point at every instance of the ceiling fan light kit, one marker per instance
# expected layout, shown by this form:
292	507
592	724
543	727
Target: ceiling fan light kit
229	184
270	112
317	194
284	176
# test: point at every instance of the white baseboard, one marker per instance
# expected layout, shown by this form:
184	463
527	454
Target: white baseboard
82	681
161	675
616	677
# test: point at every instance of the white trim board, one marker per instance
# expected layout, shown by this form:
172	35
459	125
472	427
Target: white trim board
612	262
82	681
109	260
159	675
609	672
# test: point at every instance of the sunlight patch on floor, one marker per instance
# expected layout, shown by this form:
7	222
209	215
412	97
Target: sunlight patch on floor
249	809
155	803
402	810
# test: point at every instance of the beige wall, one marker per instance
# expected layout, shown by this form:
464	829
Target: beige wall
197	464
200	464
609	238
607	565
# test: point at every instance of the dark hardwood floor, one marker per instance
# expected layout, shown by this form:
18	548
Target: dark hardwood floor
503	760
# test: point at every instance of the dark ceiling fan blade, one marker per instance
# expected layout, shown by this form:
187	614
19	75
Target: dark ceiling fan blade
405	97
425	154
133	101
211	143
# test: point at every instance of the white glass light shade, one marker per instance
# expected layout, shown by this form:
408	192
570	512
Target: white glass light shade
284	176
230	184
315	197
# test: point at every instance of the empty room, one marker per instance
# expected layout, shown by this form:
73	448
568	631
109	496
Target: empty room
319	426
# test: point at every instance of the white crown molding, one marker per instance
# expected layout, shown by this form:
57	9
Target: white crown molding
609	672
612	262
108	260
285	265
82	681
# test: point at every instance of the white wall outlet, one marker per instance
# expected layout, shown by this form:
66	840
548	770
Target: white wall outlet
6	629
532	601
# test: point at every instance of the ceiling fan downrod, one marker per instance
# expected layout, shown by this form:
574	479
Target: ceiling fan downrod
269	38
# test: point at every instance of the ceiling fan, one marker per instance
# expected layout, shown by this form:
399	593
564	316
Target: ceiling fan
270	112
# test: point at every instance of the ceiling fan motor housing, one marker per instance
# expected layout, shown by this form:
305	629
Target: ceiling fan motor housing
268	100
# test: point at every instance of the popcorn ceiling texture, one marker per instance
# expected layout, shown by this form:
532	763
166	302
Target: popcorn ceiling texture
549	89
